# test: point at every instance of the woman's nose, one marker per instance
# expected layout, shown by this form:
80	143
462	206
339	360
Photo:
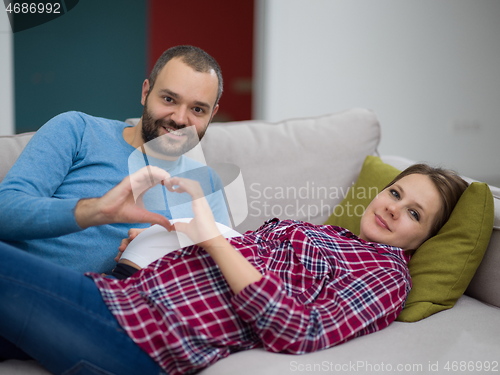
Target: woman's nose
393	210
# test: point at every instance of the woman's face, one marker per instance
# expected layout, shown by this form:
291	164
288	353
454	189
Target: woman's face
402	214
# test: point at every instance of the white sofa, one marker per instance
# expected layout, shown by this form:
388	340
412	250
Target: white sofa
301	169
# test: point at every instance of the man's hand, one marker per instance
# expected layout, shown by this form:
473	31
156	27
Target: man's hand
132	233
123	203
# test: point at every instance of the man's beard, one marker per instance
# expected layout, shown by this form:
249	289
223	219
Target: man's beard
163	144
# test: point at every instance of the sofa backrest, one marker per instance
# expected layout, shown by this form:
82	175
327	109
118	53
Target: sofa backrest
298	168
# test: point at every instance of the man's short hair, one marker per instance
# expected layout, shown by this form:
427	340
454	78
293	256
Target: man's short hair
192	56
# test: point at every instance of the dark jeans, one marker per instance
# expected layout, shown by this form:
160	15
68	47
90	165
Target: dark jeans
57	316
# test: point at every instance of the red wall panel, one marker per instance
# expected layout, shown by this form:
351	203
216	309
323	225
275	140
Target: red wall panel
223	28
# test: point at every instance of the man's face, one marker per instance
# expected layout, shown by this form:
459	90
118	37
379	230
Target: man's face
178	109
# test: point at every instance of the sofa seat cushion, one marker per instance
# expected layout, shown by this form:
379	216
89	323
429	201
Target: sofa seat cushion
466	335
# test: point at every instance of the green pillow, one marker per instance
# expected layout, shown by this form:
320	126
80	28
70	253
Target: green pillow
374	176
443	266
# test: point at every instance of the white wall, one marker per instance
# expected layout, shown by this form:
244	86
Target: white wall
6	74
430	69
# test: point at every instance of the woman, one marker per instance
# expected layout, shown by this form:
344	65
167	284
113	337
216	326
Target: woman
290	287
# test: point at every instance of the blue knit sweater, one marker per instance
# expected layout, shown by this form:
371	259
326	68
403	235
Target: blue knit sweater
75	156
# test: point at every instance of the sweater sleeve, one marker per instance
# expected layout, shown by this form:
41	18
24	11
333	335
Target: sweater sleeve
357	305
28	207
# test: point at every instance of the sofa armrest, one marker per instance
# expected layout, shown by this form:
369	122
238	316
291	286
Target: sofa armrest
10	149
485	286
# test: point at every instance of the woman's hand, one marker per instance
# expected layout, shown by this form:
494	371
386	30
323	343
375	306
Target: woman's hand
202	228
237	270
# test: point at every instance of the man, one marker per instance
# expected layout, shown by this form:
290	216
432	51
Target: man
54	200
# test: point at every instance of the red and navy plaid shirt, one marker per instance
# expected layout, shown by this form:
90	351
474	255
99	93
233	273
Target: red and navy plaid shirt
321	286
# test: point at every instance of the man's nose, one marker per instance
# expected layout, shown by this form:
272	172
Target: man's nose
180	116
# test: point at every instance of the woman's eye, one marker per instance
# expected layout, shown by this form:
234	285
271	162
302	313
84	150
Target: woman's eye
394	193
415	215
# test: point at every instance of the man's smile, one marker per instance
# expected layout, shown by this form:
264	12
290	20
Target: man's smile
174	132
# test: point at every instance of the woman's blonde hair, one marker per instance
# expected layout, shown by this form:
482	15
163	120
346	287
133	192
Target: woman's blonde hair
449	184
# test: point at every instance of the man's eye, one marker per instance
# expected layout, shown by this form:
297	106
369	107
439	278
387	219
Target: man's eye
415	214
168	99
198	110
